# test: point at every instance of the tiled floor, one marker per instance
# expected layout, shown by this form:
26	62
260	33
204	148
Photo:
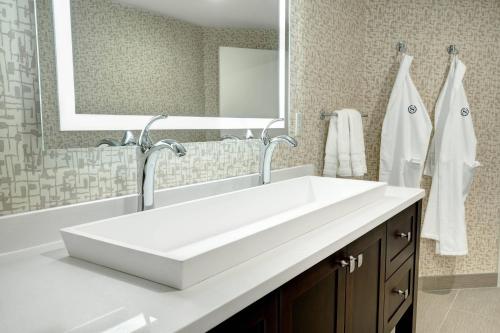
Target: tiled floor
459	311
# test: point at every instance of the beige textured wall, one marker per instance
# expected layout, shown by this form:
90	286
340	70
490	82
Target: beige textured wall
342	55
429	27
367	32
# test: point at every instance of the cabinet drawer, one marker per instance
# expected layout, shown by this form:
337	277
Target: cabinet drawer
398	294
400	239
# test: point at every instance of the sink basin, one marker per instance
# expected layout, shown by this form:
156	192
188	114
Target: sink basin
185	243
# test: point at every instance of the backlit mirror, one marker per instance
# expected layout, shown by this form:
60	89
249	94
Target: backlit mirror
216	67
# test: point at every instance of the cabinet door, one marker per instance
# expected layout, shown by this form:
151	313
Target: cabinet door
365	283
260	317
314	302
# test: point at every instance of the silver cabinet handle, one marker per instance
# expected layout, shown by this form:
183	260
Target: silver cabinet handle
406	235
352	264
343	263
403	293
360	260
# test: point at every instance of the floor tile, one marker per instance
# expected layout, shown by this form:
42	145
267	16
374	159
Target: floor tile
483	301
432	307
466	322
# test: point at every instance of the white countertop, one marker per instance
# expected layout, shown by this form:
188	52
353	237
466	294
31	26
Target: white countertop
45	290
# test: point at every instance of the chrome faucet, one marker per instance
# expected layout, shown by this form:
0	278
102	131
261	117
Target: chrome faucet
268	146
127	140
147	158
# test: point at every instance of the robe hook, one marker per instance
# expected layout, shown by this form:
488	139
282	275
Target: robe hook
452	49
401	47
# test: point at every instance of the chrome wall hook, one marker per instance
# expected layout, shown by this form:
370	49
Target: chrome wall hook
401	47
452	49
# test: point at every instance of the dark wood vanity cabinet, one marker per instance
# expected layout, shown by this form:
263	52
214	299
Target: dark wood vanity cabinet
365	283
366	287
315	300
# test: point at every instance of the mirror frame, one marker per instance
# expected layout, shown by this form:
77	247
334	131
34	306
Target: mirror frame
69	120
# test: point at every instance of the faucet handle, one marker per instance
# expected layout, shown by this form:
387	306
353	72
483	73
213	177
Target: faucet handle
264	136
249	134
128	139
145	141
176	147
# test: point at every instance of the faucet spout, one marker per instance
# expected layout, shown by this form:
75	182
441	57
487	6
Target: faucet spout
148	154
145	141
267	156
264	136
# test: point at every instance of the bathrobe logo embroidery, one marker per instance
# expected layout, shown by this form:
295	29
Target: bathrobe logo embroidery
412	109
464	112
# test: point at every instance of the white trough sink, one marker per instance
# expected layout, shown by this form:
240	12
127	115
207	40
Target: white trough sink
183	244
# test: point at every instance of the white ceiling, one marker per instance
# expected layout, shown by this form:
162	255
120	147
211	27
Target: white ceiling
215	13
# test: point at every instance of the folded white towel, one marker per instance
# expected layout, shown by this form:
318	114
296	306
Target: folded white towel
343	144
357	143
331	157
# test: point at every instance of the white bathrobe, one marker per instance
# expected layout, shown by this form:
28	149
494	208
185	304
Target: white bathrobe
451	163
405	133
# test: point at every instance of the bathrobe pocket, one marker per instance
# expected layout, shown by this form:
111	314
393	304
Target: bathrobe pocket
468	175
412	172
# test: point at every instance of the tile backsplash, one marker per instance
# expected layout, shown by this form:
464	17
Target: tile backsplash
342	55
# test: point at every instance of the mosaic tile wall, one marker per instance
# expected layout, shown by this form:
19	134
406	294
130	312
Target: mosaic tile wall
342	55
